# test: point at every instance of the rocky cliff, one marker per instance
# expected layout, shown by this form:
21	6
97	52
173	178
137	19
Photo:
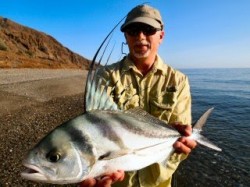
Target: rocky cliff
24	47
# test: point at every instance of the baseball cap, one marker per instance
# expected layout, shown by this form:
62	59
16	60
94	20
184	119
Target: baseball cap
143	14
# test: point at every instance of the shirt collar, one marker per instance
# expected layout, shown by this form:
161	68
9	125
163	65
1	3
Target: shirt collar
158	65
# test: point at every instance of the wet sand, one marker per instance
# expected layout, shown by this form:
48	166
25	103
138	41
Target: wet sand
33	102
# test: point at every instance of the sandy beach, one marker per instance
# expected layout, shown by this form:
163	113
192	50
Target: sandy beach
33	102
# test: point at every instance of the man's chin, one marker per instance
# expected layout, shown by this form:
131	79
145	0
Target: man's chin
141	55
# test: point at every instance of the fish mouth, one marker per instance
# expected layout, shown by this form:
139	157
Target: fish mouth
33	172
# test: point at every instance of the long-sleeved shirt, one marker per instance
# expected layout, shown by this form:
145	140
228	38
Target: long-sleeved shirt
163	92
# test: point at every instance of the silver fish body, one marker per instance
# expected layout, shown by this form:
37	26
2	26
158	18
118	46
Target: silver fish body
100	142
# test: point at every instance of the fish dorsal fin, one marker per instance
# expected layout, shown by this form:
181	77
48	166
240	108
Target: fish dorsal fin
97	98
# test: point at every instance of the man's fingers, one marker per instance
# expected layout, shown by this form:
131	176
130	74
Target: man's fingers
188	142
118	176
181	148
104	182
185	130
188	130
88	183
184	145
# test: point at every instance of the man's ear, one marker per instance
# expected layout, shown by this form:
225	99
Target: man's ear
162	35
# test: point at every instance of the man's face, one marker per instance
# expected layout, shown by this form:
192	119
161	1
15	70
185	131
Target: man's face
143	40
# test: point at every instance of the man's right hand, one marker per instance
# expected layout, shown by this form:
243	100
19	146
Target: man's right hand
104	181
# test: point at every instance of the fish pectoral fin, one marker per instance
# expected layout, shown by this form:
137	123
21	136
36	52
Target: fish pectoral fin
150	149
115	154
140	151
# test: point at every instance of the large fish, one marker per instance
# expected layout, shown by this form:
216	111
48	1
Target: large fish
102	140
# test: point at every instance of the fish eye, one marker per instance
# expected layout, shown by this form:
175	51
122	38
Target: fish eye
53	156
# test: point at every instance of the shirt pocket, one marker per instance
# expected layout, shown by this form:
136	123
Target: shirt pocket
128	99
163	102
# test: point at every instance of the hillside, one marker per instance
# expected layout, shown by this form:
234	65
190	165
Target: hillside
24	47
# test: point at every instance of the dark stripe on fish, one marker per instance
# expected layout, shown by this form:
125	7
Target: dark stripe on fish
140	130
104	129
80	139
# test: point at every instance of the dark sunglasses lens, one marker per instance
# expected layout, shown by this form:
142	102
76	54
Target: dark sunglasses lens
147	31
132	32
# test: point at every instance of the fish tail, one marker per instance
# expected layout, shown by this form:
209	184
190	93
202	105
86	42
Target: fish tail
198	128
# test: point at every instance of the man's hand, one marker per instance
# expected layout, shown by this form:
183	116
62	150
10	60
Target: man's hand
184	144
104	181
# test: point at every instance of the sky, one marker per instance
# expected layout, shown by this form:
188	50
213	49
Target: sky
198	33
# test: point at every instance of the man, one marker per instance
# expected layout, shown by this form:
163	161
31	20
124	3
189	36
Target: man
143	79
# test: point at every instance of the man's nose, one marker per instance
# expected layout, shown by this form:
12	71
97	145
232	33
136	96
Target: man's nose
141	34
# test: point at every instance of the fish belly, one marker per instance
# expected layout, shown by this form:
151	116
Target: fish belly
135	159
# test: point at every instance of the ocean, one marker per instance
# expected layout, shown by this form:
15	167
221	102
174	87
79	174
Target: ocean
228	91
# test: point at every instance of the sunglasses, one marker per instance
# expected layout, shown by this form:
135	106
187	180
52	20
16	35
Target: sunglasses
146	30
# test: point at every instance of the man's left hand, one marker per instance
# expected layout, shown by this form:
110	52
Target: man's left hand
184	144
105	181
